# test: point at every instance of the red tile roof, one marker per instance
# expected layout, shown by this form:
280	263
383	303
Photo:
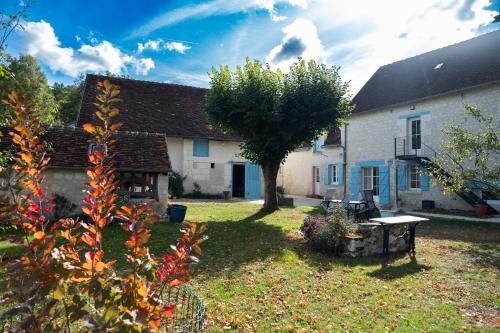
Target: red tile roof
133	151
153	107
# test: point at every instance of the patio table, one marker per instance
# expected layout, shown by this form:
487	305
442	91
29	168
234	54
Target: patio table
388	222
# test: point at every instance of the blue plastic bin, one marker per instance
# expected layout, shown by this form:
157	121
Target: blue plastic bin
177	213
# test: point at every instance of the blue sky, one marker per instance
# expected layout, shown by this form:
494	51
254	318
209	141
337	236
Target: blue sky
179	41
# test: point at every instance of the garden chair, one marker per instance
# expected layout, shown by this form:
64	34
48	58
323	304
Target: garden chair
327	199
369	205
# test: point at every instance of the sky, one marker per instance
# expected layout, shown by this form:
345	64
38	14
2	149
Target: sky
178	41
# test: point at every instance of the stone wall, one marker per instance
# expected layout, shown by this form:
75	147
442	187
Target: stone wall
370	241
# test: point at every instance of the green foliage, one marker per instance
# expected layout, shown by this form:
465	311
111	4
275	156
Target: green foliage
27	76
471	150
68	98
323	233
274	113
176	184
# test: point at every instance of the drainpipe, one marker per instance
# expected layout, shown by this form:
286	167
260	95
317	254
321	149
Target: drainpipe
344	159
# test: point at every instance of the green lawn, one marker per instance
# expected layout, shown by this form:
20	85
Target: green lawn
256	274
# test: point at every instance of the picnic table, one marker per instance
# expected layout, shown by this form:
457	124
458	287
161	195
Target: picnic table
388	222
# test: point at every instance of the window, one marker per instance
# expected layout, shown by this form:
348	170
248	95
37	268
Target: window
414	175
139	185
316	173
415	133
332	174
370	179
200	147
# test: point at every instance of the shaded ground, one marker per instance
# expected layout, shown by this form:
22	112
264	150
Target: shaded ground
256	274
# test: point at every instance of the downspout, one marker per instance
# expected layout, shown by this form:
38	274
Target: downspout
344	159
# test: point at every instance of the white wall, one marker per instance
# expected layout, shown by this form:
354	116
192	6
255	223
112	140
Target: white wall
370	136
296	174
198	169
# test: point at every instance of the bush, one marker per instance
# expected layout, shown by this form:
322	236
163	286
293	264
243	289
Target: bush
70	286
176	184
323	233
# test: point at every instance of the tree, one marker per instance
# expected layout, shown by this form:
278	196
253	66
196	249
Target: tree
27	76
274	113
471	149
8	24
68	98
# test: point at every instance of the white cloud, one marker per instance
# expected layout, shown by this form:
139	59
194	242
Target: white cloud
212	8
40	40
301	40
398	30
160	44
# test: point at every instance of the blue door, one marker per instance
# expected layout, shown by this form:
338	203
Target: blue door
252	181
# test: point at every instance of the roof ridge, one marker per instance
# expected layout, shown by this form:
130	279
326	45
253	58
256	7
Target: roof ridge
79	129
441	48
144	81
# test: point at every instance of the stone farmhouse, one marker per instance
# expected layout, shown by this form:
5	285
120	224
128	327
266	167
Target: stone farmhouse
396	126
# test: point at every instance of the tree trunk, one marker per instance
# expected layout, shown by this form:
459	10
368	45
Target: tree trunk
270	171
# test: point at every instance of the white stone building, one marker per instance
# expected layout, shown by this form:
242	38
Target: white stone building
207	157
397	123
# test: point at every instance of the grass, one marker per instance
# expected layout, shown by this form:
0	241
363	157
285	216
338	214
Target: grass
256	274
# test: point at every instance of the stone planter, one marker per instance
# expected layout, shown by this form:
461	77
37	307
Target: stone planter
369	241
285	202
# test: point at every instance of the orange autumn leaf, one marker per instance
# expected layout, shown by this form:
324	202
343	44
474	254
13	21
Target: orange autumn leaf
168	310
39	235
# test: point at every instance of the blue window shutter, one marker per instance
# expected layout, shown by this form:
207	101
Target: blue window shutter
355	179
402	177
424	178
340	173
200	147
326	175
385	187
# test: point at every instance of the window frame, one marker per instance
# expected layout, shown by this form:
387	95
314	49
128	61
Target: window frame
371	176
333	175
198	141
414	170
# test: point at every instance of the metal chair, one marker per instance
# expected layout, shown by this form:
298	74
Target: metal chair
369	205
327	199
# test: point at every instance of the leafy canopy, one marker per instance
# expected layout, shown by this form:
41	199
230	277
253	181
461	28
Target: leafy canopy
275	112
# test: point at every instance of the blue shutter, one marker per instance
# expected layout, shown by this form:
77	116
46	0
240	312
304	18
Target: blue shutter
252	181
326	175
200	147
384	185
424	178
340	173
355	179
402	177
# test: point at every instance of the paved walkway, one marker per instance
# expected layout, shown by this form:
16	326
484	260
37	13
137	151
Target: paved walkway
297	201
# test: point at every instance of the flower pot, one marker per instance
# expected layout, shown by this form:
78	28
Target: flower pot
226	195
481	209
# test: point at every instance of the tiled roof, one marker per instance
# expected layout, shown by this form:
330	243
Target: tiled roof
133	151
174	110
468	64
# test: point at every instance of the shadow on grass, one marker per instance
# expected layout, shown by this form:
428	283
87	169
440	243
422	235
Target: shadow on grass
396	272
